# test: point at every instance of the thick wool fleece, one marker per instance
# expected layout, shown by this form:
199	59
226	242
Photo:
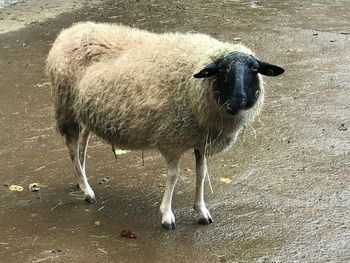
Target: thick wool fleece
136	89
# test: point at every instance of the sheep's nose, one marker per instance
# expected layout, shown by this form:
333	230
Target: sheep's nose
241	100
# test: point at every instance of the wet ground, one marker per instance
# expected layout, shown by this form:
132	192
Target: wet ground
289	199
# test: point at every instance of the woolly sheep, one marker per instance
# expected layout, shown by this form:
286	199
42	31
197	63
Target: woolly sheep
141	90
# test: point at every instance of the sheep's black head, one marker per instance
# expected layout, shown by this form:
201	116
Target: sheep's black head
237	86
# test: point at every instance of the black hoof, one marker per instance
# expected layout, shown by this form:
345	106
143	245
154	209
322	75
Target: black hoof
171	226
205	221
90	200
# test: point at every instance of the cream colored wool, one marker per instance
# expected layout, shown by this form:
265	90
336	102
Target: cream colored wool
135	89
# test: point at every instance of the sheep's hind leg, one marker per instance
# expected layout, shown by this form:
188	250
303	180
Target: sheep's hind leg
168	219
204	216
83	143
72	142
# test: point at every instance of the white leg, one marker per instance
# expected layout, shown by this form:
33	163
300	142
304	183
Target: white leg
204	216
168	219
72	142
83	143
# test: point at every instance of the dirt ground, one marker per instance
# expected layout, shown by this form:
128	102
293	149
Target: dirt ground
289	199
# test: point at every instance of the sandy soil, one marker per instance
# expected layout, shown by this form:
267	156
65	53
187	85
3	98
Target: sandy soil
289	199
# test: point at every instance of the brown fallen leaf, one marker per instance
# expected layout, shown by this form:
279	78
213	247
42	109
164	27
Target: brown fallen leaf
127	233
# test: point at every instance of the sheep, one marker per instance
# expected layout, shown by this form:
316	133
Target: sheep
141	90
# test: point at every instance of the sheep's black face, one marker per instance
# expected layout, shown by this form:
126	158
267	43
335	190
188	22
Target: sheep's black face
237	86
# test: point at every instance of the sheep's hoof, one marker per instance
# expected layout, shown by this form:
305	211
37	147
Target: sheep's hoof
168	226
90	199
205	221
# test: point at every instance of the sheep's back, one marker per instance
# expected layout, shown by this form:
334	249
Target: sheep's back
139	99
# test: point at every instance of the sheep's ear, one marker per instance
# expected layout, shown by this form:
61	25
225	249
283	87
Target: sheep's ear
208	71
269	69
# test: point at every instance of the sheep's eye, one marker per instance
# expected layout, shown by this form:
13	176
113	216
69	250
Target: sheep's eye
255	69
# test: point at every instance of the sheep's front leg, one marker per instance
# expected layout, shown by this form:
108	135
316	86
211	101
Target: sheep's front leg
168	219
204	216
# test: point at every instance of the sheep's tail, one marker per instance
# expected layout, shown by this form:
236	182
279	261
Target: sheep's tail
63	109
63	97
